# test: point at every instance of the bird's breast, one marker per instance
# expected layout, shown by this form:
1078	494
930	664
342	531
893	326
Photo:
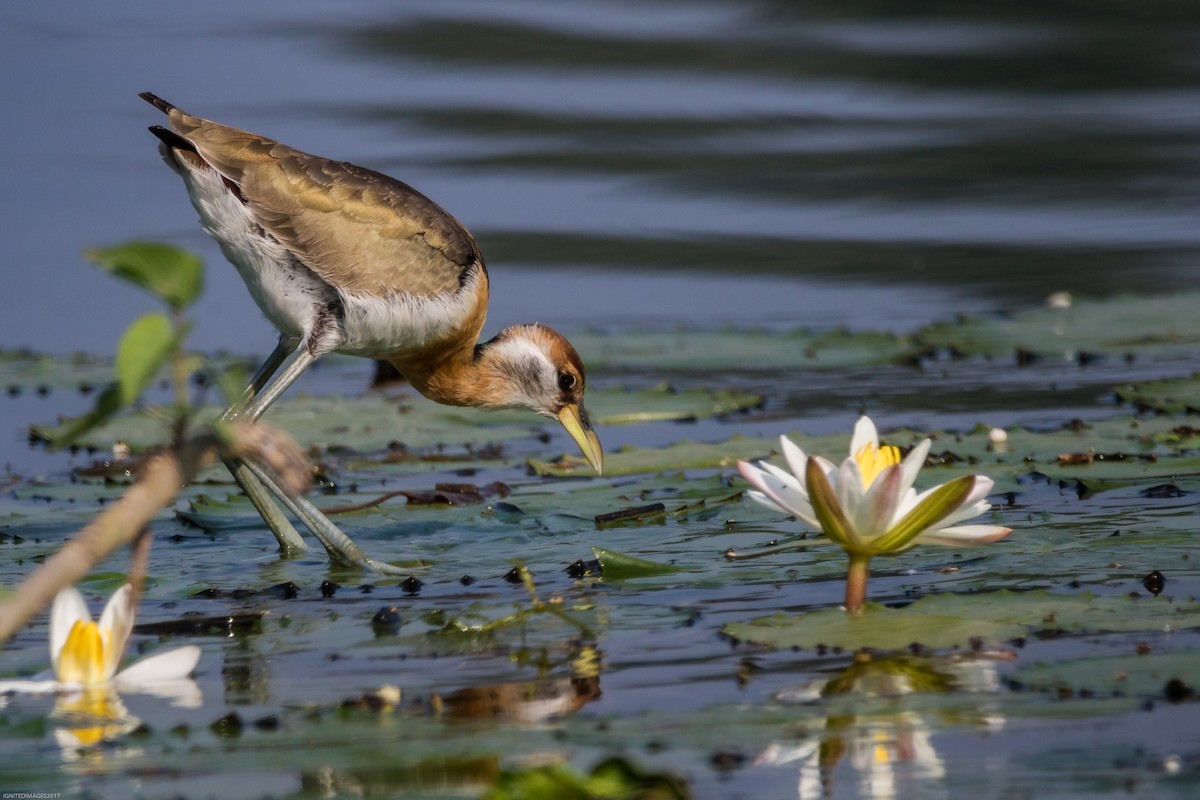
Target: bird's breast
383	325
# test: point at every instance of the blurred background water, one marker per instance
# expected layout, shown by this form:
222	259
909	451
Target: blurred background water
863	163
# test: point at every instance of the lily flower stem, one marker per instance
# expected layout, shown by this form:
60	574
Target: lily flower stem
856	582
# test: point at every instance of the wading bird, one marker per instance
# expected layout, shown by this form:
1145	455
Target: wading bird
344	259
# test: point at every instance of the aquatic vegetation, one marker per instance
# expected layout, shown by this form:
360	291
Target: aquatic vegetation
868	506
85	653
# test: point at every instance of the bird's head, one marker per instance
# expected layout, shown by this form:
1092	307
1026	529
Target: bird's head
535	367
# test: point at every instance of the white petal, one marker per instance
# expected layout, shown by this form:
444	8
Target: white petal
965	513
68	609
160	667
879	503
116	623
779	486
763	500
864	434
29	686
182	692
797	461
965	535
848	490
912	464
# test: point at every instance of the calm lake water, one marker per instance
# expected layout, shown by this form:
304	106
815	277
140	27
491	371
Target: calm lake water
645	163
626	165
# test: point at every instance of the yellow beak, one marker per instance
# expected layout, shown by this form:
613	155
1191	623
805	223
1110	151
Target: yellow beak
575	419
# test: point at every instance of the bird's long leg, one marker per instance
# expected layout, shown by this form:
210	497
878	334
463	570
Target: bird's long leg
251	477
283	349
341	548
285	533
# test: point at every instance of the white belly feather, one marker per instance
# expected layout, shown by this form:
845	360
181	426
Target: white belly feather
291	296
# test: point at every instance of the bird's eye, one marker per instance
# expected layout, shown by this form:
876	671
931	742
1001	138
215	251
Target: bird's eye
566	381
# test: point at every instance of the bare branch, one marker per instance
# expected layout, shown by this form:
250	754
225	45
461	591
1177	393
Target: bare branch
159	481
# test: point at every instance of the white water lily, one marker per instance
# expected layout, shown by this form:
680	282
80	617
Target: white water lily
868	505
85	654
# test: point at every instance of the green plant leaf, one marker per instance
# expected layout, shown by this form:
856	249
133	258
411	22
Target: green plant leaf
108	403
175	275
141	353
618	566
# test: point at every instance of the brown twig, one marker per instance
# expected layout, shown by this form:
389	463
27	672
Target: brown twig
159	480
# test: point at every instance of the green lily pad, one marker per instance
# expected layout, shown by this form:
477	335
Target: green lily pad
1137	675
1171	396
707	351
877	628
682	455
950	620
1152	326
24	369
664	404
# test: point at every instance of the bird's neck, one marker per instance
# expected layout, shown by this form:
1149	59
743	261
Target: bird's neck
455	377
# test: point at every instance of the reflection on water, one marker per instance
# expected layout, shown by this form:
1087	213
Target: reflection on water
875	745
85	719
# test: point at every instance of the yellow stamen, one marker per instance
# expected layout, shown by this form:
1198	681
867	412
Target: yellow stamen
82	657
872	460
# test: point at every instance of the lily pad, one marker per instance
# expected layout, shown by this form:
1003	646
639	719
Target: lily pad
1116	326
708	351
682	455
664	404
1171	396
1144	675
948	620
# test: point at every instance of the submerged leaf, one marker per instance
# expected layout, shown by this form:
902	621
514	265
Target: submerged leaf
618	566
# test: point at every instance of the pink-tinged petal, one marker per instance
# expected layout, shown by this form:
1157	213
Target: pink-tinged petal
848	487
878	508
68	608
116	623
797	461
778	491
832	518
965	535
864	434
783	489
172	665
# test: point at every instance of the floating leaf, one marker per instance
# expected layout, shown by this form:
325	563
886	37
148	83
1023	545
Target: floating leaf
683	455
618	566
1135	674
664	404
877	627
1114	326
950	620
709	351
175	275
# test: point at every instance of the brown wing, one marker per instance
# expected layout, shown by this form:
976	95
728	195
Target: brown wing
358	229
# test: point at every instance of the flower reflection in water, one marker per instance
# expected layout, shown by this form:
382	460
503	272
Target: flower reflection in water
85	655
871	732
